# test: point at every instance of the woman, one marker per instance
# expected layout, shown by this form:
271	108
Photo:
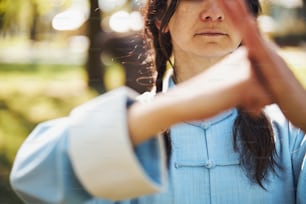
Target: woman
110	150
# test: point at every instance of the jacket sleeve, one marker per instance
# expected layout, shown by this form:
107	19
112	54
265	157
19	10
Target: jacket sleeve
295	138
42	170
298	156
88	155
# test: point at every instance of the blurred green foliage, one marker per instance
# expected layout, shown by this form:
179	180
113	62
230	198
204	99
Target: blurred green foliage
30	94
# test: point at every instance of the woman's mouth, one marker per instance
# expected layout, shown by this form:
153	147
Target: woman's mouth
211	34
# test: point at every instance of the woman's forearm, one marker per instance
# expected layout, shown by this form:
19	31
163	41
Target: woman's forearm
285	89
146	120
201	97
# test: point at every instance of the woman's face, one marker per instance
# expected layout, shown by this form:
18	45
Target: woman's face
199	27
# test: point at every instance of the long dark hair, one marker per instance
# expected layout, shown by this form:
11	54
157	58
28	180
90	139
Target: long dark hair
252	137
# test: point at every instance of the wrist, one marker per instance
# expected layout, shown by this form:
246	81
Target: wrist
146	120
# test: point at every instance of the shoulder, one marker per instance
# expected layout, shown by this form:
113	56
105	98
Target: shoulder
283	129
278	119
275	114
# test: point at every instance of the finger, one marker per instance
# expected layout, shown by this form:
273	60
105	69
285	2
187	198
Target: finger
240	17
234	10
252	33
245	11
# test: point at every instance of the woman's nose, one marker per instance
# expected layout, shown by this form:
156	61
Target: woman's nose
211	12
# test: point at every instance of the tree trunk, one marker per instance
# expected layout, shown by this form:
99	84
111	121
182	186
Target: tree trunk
304	9
34	23
94	67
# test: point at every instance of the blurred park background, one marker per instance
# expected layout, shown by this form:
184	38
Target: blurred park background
56	54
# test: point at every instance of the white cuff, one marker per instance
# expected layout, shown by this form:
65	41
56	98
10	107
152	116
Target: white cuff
101	153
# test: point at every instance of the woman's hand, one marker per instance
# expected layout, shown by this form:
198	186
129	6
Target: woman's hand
271	70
